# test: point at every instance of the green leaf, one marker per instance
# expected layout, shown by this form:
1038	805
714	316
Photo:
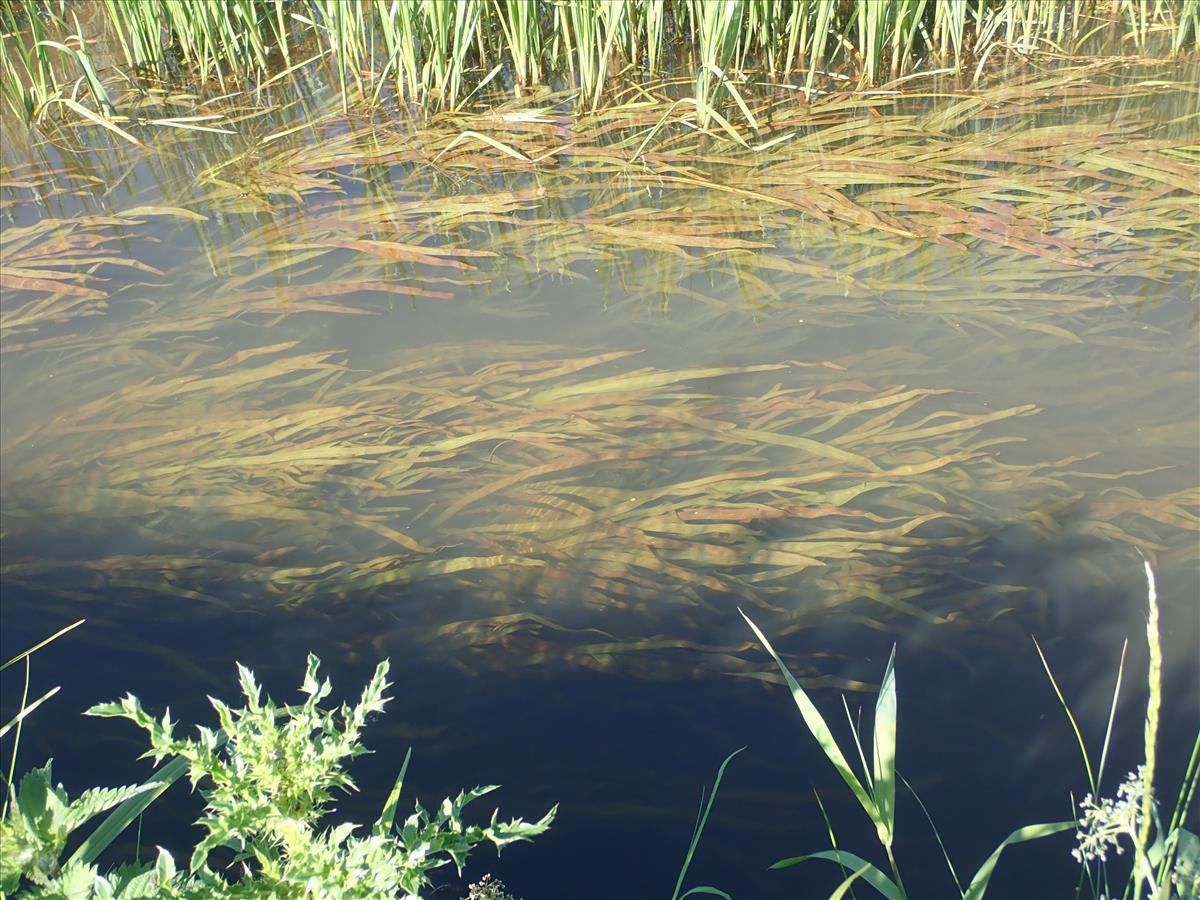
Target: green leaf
311	683
34	801
706	889
26	710
387	817
870	873
699	829
41	644
846	884
164	866
125	814
1187	864
250	688
978	885
885	753
94	801
820	730
77	882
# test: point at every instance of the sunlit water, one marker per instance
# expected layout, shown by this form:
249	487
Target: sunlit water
599	660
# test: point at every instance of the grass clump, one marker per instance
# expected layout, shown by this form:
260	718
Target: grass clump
1166	857
267	777
876	790
435	55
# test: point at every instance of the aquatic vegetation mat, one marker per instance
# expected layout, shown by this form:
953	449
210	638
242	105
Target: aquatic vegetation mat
219	427
593	510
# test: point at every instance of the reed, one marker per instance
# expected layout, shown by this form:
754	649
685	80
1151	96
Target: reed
32	63
518	20
715	32
589	31
434	53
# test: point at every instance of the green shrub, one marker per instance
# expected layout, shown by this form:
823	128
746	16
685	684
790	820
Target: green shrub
267	778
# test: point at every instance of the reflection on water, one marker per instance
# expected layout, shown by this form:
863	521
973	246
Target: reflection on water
925	372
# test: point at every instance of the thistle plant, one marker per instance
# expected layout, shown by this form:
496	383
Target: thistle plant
267	777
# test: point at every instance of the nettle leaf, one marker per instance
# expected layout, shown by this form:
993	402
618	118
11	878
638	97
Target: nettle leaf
164	867
36	801
22	852
80	881
49	817
144	881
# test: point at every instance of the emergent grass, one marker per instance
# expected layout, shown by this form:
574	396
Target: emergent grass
434	55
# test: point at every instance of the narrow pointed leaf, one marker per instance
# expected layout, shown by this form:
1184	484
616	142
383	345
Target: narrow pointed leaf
820	730
885	752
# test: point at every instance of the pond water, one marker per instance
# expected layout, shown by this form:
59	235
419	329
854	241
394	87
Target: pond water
923	374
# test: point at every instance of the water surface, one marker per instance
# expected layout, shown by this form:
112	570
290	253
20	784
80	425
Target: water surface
925	374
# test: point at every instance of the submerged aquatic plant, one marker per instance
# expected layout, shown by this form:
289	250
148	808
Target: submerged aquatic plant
520	473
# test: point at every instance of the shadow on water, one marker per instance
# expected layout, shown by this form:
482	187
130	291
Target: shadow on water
982	736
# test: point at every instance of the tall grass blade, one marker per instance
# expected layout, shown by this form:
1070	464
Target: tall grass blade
1112	715
978	886
1087	761
1175	829
820	730
847	884
1153	703
884	760
26	710
38	646
701	821
871	873
383	825
936	834
128	812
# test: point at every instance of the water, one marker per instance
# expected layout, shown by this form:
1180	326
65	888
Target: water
859	435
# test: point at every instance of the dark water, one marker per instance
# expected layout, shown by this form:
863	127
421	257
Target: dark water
182	556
